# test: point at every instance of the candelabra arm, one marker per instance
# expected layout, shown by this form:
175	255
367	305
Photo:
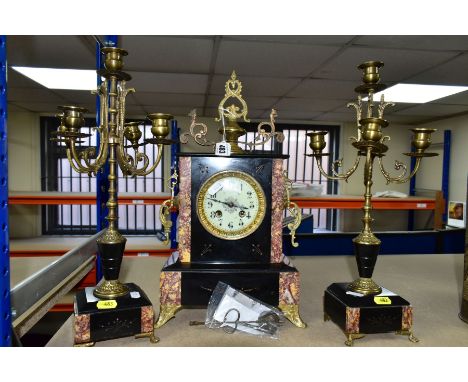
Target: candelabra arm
84	162
398	166
76	159
338	163
129	164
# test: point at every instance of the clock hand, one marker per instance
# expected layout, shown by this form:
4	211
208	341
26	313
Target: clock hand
229	204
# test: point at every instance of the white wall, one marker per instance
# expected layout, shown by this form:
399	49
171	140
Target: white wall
24	161
458	158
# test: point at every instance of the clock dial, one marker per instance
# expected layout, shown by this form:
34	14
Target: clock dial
231	205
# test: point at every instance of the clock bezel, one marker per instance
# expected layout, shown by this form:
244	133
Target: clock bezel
250	228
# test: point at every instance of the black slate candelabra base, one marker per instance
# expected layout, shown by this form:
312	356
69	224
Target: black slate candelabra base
358	316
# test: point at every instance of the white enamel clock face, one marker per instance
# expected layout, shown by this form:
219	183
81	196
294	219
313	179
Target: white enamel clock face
231	205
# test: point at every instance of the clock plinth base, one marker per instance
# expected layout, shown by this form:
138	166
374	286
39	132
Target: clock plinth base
189	285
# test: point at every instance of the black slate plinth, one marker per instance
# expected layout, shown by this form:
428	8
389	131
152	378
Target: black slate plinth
363	315
131	316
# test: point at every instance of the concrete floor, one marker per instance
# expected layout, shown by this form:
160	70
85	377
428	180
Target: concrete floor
432	283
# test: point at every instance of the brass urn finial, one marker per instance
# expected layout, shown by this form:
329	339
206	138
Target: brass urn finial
232	131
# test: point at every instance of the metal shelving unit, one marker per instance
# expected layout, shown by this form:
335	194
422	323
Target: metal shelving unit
5	308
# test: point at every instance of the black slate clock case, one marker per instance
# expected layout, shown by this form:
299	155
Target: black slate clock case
254	248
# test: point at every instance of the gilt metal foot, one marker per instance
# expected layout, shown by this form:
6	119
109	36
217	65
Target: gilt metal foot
166	312
408	333
326	317
291	312
153	339
351	337
84	345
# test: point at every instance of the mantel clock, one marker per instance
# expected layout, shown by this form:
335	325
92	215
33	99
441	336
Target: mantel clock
230	220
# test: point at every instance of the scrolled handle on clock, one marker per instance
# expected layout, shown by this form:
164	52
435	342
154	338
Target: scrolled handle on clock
293	208
165	217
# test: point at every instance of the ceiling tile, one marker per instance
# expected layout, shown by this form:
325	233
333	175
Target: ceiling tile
300	39
33	95
399	64
18	80
168	82
335	117
168	99
322	88
432	110
12	107
453	72
255	86
252	102
301	115
41	107
456	99
426	42
407	119
268	59
50	52
76	96
170	54
306	105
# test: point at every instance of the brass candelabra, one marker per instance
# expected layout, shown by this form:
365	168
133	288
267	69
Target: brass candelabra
114	133
370	144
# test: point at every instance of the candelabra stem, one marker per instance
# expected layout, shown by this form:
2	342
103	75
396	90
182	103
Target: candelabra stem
366	244
112	244
367	219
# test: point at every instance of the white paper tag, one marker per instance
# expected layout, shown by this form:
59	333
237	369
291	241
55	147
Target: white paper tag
90	297
223	149
144	254
135	294
421	205
138	201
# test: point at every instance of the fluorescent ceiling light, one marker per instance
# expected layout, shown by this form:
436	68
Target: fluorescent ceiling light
414	93
71	79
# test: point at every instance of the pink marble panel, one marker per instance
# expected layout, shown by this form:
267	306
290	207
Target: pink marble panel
147	318
82	328
170	288
352	320
185	213
407	318
289	288
277	208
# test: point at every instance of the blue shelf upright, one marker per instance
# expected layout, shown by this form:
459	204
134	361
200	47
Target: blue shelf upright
102	181
5	306
446	169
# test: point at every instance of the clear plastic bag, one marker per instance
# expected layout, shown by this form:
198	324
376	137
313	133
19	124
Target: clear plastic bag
233	310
